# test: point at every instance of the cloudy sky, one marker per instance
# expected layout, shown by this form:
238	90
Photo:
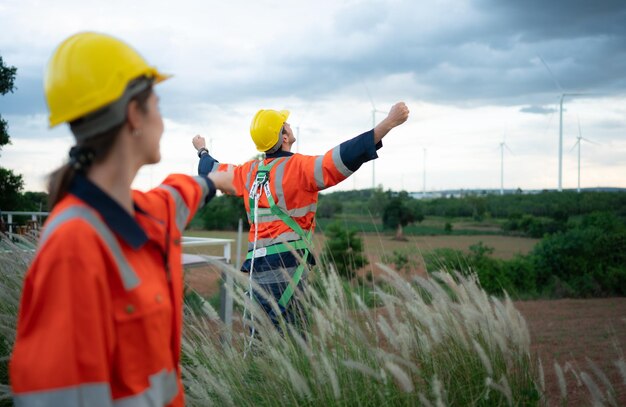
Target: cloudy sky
474	73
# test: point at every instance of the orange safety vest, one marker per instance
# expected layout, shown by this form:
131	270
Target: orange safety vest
295	182
101	311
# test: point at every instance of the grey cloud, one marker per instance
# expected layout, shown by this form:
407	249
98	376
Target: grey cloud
479	52
491	58
538	110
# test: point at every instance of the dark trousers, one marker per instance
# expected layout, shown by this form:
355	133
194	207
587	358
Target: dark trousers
292	314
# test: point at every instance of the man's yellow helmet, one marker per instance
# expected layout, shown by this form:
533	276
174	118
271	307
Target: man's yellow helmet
89	71
266	128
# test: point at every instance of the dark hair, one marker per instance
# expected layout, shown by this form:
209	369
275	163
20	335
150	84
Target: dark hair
97	148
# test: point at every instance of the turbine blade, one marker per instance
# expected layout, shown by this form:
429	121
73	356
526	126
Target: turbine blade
369	96
556	82
590	141
580	133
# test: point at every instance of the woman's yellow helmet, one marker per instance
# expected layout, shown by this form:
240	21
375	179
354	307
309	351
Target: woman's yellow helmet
89	71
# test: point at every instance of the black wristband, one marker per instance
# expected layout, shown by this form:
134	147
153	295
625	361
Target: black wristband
201	151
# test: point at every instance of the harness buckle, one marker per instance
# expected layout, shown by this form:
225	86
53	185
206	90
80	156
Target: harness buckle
261	177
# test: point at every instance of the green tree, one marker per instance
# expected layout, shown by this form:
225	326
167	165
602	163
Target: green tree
328	207
222	213
344	249
7	81
34	201
377	202
11	186
397	214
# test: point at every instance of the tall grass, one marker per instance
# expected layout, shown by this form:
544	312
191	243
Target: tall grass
432	342
14	260
436	341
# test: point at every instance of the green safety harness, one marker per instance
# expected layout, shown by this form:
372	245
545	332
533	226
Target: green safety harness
261	183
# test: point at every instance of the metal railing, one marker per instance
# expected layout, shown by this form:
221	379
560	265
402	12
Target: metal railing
35	221
190	260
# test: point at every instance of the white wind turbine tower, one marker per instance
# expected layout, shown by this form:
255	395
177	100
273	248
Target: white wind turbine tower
424	173
503	145
578	143
374	111
563	95
297	126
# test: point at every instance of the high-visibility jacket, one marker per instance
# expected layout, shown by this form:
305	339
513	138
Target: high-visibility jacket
295	182
101	311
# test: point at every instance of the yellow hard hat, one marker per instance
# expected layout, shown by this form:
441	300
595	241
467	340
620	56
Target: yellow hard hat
265	128
89	71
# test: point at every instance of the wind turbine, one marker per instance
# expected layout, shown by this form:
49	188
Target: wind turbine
305	112
503	145
578	143
424	190
374	111
563	95
297	139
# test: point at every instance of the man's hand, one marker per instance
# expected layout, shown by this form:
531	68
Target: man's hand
223	180
198	142
398	114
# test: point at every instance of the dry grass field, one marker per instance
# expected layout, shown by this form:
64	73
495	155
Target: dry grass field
377	245
564	331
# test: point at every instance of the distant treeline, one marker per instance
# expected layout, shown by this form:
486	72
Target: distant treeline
529	214
551	204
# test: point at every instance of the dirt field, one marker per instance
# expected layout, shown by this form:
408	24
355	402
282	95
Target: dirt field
573	331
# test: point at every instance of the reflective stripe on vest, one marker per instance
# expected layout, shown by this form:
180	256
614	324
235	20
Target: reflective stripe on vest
278	184
127	274
278	248
92	394
265	214
182	210
163	389
318	171
205	190
341	167
268	241
249	176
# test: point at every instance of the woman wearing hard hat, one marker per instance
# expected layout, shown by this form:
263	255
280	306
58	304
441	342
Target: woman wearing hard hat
101	309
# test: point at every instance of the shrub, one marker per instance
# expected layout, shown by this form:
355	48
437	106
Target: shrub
402	260
491	273
589	258
344	249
